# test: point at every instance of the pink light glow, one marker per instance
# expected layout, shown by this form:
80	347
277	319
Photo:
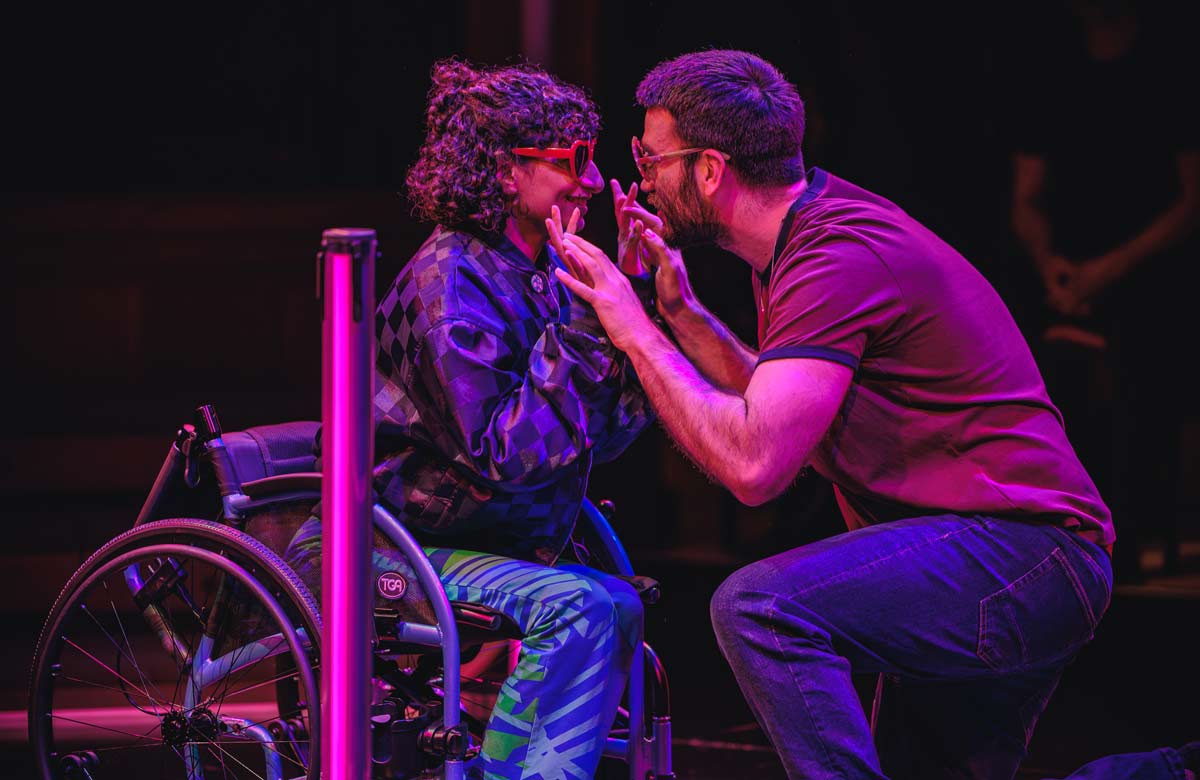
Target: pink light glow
347	594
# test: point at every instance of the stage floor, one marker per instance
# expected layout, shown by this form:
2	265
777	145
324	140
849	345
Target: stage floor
1134	688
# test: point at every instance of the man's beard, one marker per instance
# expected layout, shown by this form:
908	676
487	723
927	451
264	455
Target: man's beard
687	219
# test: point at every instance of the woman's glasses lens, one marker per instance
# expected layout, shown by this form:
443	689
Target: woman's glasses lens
581	159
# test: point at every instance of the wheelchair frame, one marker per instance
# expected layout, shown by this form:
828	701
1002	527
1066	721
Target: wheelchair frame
646	750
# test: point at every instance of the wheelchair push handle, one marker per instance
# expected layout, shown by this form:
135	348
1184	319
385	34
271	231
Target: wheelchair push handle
208	432
208	425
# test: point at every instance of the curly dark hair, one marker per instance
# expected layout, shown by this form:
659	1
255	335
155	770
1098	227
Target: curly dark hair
475	116
737	102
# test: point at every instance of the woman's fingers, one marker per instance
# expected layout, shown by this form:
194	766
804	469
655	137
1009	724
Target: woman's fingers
554	229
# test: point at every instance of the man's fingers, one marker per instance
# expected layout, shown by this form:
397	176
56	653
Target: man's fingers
577	261
635	210
635	237
573	224
654	242
618	203
583	246
575	286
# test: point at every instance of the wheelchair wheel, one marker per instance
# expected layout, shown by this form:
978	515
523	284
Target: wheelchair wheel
182	648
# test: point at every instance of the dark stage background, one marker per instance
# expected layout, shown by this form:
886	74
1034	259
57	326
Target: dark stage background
167	176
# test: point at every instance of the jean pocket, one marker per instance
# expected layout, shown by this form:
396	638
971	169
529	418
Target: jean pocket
1043	617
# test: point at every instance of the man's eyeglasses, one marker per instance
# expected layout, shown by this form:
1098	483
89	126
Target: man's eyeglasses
646	163
579	154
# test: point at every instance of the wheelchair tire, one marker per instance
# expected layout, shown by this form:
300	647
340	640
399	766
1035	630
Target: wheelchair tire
118	688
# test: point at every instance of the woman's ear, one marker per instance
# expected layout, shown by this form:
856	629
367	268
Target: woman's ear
507	173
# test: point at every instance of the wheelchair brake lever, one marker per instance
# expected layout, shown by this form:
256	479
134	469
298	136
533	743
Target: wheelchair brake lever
185	441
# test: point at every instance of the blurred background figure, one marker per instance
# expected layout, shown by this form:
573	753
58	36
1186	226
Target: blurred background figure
1106	199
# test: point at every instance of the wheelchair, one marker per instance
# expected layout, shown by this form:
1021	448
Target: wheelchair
188	648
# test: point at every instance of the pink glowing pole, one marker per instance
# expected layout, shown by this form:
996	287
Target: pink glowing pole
348	349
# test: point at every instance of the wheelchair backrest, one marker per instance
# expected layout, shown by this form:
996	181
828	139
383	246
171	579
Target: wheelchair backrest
272	450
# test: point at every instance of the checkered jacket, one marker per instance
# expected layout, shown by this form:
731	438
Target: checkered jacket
495	390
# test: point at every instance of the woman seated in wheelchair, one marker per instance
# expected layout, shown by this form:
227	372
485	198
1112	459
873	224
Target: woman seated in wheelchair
495	393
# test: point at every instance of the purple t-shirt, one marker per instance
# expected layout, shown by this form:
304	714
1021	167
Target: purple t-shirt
947	411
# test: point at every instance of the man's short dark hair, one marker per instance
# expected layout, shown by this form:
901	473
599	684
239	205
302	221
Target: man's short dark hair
736	102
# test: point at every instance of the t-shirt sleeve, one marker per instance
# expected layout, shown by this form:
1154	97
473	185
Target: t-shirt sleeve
830	302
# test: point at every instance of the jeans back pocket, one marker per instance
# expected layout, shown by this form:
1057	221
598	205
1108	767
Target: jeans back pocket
1043	617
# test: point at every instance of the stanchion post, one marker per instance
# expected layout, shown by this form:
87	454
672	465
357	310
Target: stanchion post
346	275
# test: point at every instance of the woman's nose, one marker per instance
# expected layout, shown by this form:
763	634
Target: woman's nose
592	181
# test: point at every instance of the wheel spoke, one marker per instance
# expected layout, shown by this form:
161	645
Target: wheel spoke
225	752
106	682
111	671
138	737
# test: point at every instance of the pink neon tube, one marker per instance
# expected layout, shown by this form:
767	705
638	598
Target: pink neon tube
348	347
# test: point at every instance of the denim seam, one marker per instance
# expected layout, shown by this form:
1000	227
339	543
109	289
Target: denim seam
985	624
1037	571
1077	585
1095	568
848	574
772	614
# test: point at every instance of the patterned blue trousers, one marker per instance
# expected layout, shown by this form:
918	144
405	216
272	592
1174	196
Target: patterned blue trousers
580	628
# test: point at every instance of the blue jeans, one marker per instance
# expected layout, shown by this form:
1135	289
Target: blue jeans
1162	764
972	619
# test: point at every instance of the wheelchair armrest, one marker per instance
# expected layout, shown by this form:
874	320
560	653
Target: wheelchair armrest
647	588
302	482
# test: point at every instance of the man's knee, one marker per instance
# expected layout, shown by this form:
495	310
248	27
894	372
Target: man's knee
740	597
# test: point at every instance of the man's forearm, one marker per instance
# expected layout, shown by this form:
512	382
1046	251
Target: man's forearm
713	348
709	423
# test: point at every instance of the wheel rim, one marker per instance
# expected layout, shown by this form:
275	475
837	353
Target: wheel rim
111	696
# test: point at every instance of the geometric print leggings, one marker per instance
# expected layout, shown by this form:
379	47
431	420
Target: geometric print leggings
579	629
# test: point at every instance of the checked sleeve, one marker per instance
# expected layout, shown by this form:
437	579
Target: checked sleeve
518	419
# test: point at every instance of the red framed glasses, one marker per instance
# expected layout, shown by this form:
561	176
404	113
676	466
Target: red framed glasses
578	154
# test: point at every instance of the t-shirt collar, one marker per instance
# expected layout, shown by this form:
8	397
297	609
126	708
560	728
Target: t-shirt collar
816	183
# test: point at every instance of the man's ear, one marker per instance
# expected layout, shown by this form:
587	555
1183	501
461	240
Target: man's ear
711	171
507	173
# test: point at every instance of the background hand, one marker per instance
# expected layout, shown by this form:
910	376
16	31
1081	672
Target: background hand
1058	276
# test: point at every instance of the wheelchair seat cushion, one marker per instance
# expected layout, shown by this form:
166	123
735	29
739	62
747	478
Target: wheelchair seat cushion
271	450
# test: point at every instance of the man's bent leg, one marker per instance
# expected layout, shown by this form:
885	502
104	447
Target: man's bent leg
933	600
